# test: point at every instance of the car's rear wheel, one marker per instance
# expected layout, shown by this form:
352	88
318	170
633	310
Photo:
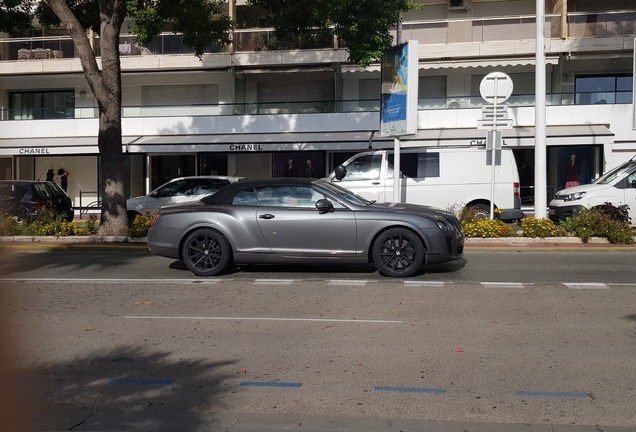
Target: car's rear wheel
398	252
207	252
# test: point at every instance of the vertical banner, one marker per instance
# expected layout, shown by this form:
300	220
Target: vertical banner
398	105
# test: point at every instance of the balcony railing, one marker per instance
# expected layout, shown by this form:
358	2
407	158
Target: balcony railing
341	106
427	32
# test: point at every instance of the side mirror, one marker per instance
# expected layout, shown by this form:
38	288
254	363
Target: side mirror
340	172
324	206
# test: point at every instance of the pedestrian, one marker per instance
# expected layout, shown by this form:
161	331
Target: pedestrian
63	178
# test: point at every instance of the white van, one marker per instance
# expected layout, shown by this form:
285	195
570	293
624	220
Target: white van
447	178
617	187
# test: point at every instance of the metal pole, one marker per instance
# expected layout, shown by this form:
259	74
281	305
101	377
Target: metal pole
540	171
396	170
493	151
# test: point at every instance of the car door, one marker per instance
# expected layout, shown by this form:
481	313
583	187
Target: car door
366	177
292	226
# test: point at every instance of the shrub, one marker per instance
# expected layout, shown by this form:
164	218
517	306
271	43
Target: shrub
486	228
47	223
8	226
600	222
140	226
534	227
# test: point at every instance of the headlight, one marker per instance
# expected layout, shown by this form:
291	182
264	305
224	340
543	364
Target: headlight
444	225
572	196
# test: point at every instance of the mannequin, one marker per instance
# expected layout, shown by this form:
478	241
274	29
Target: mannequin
572	171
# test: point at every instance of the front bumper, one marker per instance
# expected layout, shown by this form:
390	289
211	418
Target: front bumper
560	213
510	215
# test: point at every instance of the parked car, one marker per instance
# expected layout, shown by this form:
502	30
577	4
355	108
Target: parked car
301	221
23	199
453	177
617	187
179	190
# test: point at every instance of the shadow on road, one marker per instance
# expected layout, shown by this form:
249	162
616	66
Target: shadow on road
128	379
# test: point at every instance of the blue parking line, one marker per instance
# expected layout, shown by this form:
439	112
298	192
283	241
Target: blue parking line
142	381
269	384
564	395
409	389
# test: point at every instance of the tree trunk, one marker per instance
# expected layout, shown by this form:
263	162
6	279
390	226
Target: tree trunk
106	86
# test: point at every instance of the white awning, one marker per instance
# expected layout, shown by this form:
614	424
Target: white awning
53	145
516	137
457	64
252	142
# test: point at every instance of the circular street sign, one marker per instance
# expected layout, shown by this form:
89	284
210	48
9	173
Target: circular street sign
496	86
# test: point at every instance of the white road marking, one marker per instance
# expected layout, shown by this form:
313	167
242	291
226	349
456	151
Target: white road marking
425	283
273	281
348	282
265	319
585	285
502	285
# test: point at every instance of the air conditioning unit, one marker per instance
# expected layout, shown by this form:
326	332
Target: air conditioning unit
459	4
456	103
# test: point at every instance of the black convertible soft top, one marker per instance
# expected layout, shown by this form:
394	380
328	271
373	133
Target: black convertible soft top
227	193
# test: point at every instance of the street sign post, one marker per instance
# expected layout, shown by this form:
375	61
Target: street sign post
495	88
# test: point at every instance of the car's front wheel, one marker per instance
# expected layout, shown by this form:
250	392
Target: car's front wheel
207	252
398	252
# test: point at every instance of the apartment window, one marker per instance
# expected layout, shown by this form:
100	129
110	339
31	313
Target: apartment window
602	89
194	94
57	104
431	87
369	89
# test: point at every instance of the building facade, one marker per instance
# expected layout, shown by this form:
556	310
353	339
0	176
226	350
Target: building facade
248	108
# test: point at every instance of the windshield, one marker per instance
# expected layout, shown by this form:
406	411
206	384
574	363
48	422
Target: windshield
617	172
345	193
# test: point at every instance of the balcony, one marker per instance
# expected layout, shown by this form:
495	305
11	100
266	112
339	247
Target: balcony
322	106
480	30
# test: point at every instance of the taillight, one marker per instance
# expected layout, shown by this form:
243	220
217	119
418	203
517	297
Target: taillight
154	220
516	189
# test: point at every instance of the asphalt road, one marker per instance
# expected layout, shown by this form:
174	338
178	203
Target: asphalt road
502	337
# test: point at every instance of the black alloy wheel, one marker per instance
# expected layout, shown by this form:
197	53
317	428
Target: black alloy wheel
207	252
398	252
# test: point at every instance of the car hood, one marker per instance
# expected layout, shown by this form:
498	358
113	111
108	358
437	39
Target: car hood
412	208
584	188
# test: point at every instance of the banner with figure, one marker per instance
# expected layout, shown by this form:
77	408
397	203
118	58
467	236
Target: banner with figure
398	107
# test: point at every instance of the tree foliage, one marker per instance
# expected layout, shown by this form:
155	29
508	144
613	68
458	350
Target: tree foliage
363	24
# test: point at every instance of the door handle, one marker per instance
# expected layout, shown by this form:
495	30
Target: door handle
267	216
375	183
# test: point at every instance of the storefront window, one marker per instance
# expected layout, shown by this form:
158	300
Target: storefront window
42	105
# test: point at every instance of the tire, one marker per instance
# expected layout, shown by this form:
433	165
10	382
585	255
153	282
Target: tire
70	216
482	211
207	252
398	252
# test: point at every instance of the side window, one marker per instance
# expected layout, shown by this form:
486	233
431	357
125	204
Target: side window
210	186
295	196
416	165
364	168
246	197
427	165
178	188
631	180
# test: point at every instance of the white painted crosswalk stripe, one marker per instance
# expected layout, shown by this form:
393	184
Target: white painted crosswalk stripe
430	284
